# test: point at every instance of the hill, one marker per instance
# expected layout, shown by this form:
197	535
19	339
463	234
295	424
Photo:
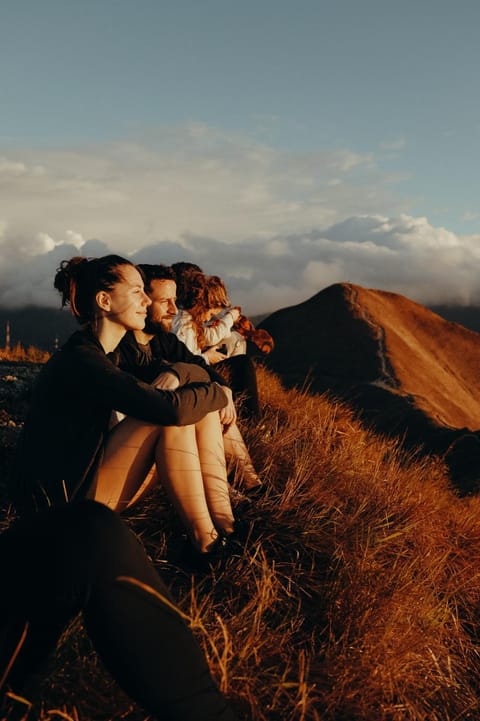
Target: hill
36	326
353	595
40	326
407	371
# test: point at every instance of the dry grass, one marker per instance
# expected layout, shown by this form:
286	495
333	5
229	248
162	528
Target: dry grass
355	597
19	354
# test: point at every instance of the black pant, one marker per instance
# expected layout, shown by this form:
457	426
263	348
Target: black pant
239	372
82	557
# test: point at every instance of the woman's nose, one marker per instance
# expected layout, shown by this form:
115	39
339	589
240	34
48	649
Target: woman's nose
146	300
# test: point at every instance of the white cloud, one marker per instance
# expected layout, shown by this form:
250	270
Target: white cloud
278	226
191	180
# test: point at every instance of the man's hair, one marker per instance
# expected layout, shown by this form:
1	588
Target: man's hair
155	272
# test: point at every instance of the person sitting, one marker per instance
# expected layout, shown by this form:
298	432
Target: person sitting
81	557
144	353
68	451
207	325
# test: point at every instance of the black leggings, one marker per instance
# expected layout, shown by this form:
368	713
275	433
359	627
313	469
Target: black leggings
82	557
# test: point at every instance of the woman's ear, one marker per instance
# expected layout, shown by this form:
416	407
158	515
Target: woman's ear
103	300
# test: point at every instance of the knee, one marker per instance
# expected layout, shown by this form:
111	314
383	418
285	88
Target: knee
191	373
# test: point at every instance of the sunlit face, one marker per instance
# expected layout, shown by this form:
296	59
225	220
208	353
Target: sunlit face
128	300
163	308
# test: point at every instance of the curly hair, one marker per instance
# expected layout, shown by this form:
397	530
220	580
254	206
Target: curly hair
203	293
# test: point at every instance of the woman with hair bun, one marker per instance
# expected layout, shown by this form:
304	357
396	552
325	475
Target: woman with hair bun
68	451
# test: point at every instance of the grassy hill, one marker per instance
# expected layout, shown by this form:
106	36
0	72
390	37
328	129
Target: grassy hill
355	595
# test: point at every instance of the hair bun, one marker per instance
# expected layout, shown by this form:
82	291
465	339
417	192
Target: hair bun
66	277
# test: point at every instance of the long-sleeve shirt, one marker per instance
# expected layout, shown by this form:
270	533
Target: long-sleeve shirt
220	329
164	347
75	392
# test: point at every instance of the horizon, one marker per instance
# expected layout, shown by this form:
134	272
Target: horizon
54	324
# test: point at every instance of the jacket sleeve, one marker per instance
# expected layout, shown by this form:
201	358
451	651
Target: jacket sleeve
123	392
220	328
178	351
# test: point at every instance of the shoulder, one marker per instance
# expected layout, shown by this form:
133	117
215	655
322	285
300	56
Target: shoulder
82	341
183	317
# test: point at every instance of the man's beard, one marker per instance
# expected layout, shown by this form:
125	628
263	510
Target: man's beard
152	326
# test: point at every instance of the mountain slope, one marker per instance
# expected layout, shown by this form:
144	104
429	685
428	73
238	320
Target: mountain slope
407	371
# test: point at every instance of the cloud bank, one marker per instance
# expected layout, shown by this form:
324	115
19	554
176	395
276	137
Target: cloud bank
277	226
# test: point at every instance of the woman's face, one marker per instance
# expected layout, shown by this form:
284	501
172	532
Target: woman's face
128	300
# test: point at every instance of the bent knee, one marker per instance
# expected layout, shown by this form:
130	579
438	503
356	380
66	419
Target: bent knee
191	373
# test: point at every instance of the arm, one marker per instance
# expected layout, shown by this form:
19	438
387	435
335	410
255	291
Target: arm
172	349
115	388
166	348
220	328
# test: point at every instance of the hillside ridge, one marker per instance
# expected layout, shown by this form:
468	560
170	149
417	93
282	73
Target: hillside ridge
405	369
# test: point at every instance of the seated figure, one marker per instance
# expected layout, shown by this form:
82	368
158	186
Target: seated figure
81	557
147	352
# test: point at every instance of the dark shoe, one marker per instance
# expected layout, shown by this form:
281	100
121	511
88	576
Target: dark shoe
195	561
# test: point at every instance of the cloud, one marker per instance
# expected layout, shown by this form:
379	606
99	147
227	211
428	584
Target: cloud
404	254
278	226
189	180
471	216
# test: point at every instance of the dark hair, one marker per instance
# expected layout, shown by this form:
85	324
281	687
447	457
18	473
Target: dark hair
155	272
185	274
185	267
79	279
190	289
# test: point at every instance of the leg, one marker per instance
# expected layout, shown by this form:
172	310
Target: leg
240	373
126	472
212	459
82	556
180	471
237	452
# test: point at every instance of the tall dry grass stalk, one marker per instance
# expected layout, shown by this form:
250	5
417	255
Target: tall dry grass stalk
354	595
20	354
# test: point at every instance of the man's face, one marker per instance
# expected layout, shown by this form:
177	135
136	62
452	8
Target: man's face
163	294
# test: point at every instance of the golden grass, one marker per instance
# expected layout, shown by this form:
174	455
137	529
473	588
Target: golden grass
20	354
356	595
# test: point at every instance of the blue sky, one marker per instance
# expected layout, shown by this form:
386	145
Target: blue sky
241	133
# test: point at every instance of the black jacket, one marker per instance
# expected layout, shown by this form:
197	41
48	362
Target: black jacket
165	348
74	394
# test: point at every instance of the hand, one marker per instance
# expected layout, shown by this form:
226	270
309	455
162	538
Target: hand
213	356
236	313
228	414
166	381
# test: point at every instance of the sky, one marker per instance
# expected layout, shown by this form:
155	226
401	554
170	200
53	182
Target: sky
282	145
